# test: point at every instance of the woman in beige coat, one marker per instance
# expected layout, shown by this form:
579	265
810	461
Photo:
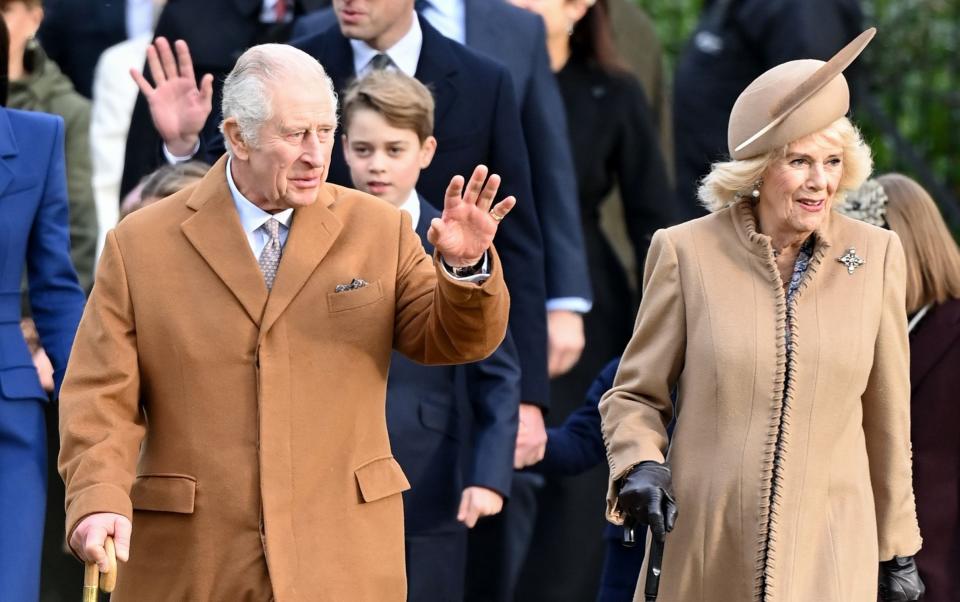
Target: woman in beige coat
782	326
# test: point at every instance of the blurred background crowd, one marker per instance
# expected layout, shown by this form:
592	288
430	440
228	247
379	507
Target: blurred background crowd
638	94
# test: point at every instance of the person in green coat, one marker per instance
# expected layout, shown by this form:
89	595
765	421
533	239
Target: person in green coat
37	84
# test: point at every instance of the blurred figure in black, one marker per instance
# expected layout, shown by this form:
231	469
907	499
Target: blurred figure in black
736	41
615	143
74	34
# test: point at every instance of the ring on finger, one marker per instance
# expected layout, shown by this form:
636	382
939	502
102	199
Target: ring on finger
496	218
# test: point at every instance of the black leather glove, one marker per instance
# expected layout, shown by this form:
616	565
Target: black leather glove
899	580
646	496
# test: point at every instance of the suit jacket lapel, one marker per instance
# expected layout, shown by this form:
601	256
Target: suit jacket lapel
215	232
8	150
312	233
477	27
427	213
436	68
933	336
337	57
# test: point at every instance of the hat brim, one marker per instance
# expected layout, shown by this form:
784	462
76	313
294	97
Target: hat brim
810	86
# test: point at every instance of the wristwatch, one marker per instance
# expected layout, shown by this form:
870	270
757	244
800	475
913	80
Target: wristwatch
466	271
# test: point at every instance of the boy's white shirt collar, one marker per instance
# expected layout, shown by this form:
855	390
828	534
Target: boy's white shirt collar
405	54
412	207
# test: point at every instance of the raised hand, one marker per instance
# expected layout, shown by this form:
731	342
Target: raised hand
465	230
178	107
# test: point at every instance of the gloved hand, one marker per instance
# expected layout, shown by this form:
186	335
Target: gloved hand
899	580
646	496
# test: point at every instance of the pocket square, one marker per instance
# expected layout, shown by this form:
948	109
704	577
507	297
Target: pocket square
354	284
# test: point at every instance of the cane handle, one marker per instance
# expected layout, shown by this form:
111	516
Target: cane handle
94	580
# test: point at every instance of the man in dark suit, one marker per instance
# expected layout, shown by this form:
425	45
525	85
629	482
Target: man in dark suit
516	39
477	122
239	24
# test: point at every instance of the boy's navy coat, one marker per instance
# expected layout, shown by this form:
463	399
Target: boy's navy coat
427	434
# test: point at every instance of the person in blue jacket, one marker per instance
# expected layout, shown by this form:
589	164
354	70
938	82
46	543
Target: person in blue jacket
33	232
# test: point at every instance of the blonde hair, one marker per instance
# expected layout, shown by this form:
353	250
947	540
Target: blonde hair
402	101
730	180
933	259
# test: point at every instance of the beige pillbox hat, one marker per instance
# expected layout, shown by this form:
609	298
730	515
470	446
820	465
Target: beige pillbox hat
792	100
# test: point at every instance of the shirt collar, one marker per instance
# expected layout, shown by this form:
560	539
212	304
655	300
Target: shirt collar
448	17
412	206
251	216
405	54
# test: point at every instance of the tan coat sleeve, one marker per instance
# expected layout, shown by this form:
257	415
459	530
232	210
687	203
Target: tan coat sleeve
635	412
886	417
101	425
441	320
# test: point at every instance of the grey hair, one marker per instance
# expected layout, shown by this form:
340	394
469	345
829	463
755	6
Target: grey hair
730	180
247	90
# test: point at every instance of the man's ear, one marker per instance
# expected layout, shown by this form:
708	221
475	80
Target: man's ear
427	150
231	131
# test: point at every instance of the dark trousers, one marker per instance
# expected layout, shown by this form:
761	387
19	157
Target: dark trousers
498	545
436	566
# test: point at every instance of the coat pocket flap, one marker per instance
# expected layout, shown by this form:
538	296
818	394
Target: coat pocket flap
438	418
381	478
21	382
358	297
164	493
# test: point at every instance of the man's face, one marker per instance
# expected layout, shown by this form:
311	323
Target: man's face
289	162
379	23
385	161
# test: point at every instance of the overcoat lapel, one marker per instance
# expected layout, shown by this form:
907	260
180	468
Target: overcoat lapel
215	232
436	68
477	26
312	233
8	149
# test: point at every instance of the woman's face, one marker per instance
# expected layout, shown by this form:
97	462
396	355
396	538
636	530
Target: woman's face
22	22
558	15
798	190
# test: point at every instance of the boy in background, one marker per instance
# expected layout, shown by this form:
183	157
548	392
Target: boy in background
458	475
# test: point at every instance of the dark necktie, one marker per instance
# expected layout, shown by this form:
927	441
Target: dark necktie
421	5
380	62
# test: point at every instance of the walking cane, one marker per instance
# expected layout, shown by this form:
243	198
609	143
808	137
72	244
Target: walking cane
654	561
94	580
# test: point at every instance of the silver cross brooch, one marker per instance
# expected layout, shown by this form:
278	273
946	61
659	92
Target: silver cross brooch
851	260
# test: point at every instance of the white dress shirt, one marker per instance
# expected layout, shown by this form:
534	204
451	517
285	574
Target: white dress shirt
268	14
449	17
405	54
253	217
139	17
412	207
